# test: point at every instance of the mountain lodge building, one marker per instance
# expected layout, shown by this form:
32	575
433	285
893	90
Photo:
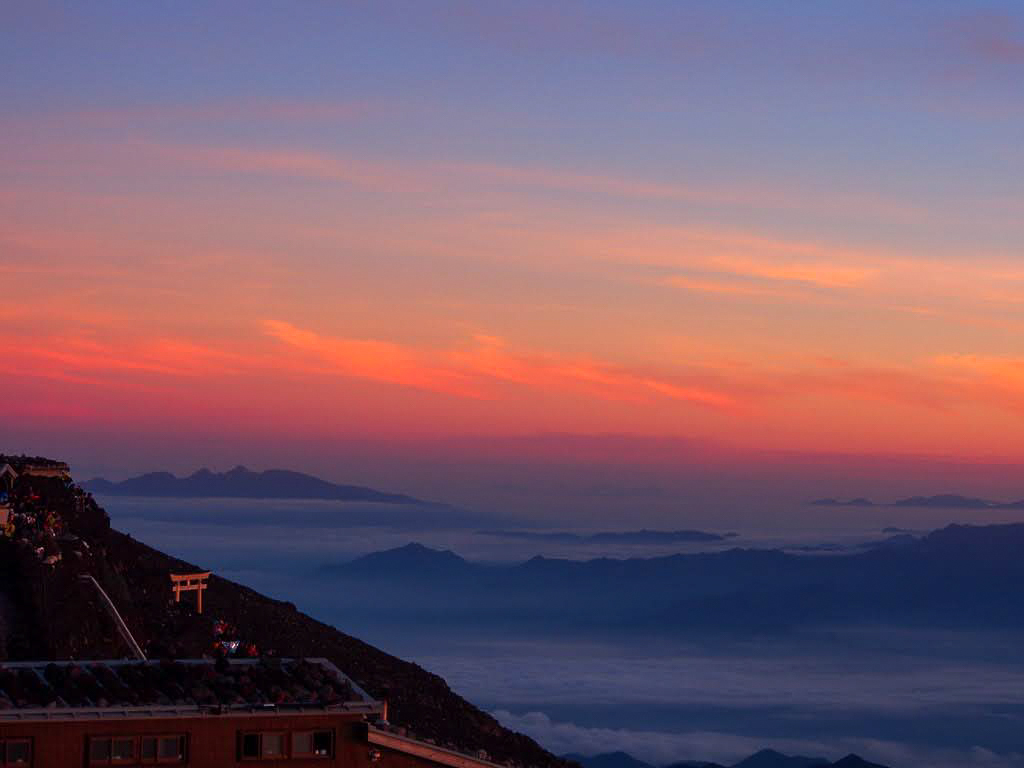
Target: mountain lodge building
133	714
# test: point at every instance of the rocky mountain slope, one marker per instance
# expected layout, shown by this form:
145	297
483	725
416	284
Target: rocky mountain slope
55	532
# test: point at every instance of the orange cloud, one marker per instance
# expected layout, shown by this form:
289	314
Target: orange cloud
298	163
477	370
63	356
821	274
994	379
1008	368
487	384
301	162
726	287
376	360
739	263
691	394
570	181
738	194
135	302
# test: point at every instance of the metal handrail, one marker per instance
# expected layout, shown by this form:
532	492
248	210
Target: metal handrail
121	626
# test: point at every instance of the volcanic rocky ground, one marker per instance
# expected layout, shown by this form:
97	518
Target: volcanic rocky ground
46	612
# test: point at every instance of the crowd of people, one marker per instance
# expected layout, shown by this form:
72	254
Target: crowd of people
27	520
226	642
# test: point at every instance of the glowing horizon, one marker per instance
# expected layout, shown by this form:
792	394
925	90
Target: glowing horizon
463	224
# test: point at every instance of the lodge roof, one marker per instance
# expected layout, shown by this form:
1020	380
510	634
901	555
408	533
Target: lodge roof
133	688
32	461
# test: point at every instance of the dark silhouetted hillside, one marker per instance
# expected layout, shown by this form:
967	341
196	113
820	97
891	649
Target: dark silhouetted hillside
241	483
47	612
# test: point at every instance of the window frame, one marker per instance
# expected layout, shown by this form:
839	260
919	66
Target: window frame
241	746
5	750
90	740
138	758
288	751
156	749
136	746
313	755
182	757
285	745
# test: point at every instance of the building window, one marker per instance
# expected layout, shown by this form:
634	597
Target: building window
251	746
279	745
16	752
273	745
171	749
265	745
122	749
313	744
99	751
148	750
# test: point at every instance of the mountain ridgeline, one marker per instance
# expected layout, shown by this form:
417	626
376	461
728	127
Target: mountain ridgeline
766	758
48	612
642	536
959	577
941	501
241	483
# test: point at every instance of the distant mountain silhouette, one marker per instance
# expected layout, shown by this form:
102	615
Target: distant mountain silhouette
242	484
412	558
769	758
766	758
947	501
608	760
642	536
959	577
858	502
941	501
854	761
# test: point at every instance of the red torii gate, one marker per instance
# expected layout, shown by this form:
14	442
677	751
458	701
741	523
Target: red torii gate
190	582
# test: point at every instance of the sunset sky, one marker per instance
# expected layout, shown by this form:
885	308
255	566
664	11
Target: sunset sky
275	224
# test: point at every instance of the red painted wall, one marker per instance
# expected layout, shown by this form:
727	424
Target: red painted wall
212	739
